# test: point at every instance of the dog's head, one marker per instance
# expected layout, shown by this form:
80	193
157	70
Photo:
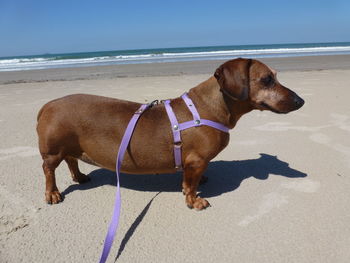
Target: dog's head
252	81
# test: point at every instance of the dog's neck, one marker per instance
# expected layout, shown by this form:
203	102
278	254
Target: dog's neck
225	110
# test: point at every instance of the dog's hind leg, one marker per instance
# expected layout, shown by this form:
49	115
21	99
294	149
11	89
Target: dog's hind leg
194	168
75	172
50	163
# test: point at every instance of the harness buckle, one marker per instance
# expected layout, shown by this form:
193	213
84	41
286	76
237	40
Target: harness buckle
178	144
151	104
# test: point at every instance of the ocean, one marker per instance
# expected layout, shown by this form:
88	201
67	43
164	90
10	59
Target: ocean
170	55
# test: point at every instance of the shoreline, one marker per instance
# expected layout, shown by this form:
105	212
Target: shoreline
281	64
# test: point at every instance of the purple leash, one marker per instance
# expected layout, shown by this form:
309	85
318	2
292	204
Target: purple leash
112	229
176	128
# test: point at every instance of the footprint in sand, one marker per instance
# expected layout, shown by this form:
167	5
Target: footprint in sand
19	151
326	140
269	202
303	185
341	121
320	138
249	142
286	126
276	200
15	212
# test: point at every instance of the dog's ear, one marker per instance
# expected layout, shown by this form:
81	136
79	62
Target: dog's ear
233	78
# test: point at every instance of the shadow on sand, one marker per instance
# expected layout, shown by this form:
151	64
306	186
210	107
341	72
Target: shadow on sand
224	176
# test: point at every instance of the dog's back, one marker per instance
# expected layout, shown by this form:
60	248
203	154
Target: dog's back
90	128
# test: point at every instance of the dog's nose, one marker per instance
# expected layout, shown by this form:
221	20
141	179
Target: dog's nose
299	102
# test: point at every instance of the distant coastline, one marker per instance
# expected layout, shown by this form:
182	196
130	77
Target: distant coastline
182	54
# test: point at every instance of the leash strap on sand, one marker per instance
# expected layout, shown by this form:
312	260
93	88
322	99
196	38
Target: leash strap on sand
112	229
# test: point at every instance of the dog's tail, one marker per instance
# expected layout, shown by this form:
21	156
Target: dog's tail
43	108
39	113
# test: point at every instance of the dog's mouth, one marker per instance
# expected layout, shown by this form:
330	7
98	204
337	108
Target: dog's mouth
268	107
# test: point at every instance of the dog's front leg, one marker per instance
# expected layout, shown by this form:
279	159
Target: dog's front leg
194	167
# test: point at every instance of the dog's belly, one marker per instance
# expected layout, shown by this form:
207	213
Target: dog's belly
132	166
86	159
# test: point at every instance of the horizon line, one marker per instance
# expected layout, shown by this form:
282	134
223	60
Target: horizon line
160	48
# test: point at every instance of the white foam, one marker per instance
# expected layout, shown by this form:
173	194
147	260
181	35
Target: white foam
39	62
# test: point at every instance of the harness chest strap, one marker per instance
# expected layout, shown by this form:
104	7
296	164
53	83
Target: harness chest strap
177	127
176	134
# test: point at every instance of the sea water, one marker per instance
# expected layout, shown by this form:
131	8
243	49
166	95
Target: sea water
170	55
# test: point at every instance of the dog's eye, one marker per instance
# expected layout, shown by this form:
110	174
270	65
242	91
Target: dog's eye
268	81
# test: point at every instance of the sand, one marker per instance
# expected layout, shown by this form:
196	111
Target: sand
279	192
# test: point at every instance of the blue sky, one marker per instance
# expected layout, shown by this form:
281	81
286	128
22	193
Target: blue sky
49	26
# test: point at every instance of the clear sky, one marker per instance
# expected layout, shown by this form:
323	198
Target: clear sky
60	26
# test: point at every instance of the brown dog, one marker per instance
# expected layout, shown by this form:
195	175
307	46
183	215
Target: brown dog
90	128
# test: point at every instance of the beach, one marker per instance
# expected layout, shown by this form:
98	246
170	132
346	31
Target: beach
279	192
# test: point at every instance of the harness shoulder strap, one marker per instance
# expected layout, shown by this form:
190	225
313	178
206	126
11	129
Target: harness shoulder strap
190	105
197	119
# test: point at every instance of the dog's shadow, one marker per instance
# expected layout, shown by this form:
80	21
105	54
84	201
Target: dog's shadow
224	176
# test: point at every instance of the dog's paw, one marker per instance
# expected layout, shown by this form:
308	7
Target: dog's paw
53	197
198	204
81	179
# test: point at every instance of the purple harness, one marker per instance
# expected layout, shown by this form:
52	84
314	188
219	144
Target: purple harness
176	128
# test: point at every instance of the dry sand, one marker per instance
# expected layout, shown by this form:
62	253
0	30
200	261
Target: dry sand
279	192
